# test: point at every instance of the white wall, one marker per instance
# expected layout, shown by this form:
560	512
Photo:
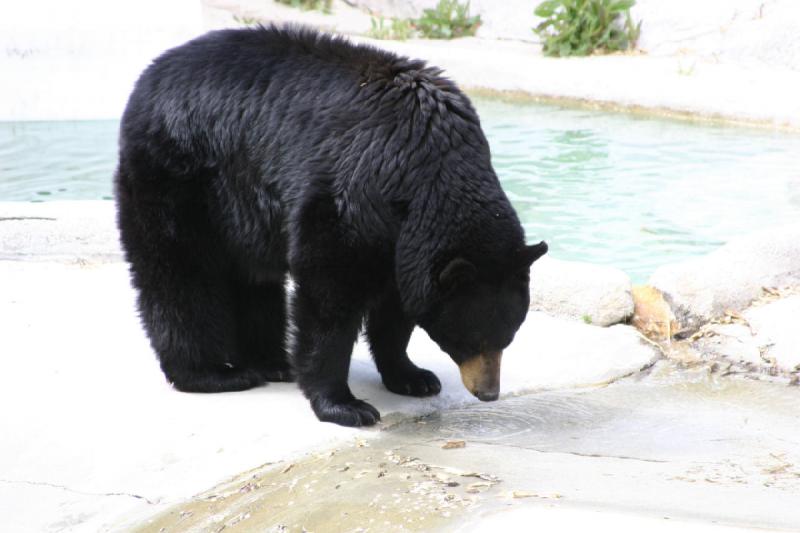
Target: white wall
742	31
754	32
79	59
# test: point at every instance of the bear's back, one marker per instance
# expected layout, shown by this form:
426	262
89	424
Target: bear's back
237	86
287	110
241	50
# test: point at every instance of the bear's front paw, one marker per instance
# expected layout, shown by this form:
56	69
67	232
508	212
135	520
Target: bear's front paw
352	413
413	382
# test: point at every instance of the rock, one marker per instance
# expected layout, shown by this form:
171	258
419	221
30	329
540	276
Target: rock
595	294
550	352
731	277
732	341
764	337
777	333
652	314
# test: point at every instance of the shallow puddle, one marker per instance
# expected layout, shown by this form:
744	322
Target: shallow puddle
690	446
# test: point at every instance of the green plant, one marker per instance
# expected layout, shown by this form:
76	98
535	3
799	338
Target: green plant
449	19
581	27
245	20
587	319
686	71
399	29
325	6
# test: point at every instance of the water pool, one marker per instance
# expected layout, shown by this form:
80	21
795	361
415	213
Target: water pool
637	192
606	188
57	160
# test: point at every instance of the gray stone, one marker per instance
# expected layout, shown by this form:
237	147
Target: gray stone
776	331
732	341
591	293
731	277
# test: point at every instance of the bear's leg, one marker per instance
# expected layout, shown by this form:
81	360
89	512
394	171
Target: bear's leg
184	280
186	302
190	322
261	329
388	332
334	277
321	356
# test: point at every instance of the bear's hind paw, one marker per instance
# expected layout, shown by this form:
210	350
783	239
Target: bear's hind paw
222	379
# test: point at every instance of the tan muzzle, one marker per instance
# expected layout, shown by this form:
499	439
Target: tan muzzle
481	375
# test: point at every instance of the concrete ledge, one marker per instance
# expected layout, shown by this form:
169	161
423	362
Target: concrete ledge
658	86
731	277
111	56
63	231
594	294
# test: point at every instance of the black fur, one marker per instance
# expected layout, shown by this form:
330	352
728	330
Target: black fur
249	154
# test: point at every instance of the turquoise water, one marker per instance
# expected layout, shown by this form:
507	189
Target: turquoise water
637	193
600	187
57	160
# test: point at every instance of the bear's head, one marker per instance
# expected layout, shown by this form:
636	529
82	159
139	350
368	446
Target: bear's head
477	315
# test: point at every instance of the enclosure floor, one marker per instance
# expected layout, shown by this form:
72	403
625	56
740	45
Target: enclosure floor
669	451
95	439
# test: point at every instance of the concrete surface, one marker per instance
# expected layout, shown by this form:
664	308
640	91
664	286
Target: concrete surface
669	451
93	434
68	231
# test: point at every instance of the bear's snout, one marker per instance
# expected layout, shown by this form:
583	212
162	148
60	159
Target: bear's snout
481	375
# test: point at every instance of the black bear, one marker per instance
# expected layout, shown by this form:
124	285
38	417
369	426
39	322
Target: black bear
246	155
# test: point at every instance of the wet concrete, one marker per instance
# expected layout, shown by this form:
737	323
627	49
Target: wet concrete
683	445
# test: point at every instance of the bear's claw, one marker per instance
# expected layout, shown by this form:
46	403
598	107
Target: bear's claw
417	382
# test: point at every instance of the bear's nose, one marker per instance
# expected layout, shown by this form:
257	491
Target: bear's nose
481	375
487	396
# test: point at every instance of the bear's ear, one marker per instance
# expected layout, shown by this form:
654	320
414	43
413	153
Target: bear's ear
457	271
533	252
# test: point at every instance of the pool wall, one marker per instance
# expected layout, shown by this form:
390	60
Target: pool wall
79	60
92	51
